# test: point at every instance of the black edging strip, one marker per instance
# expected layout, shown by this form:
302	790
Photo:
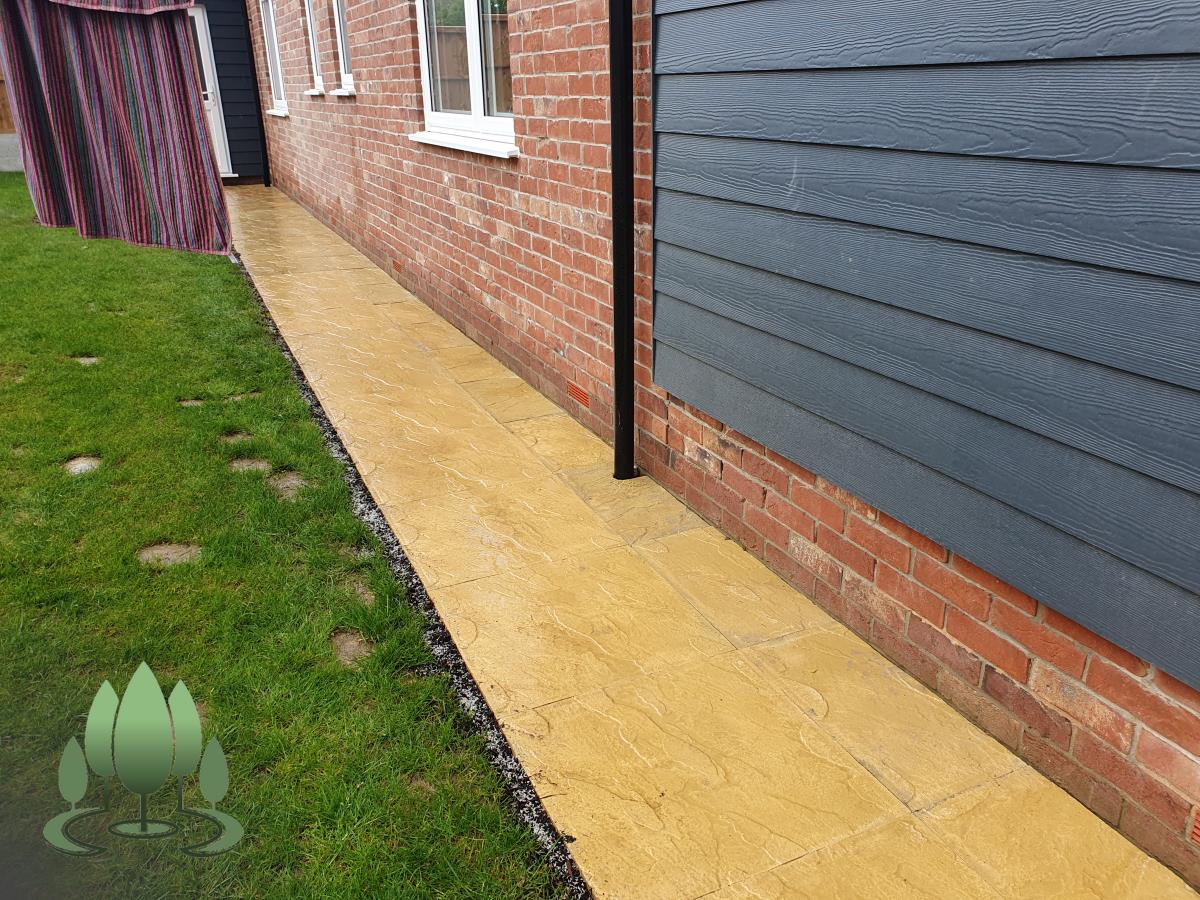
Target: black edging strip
520	794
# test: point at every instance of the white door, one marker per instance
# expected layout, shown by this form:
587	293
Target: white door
208	84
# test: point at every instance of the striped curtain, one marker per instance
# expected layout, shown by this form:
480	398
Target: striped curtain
113	132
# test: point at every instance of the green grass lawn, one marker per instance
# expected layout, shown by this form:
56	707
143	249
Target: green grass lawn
350	783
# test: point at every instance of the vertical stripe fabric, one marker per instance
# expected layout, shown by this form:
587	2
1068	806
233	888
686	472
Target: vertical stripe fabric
114	136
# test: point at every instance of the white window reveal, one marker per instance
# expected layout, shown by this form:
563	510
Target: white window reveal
314	55
274	67
467	76
343	50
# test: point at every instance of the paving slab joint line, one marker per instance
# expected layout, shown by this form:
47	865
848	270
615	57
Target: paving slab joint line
521	794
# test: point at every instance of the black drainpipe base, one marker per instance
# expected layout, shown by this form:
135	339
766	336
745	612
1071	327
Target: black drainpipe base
621	111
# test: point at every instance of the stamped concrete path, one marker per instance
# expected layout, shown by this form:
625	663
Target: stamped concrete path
696	725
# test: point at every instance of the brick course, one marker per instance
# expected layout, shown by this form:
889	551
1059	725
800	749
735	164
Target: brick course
515	253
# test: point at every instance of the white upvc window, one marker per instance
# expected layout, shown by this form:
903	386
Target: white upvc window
274	66
343	50
466	76
314	55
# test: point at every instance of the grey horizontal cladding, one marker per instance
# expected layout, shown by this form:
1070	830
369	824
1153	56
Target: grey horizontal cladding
1119	111
1145	220
1157	620
1143	424
846	33
1138	323
663	7
1096	501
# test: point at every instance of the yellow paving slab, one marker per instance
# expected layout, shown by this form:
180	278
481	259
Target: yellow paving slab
676	784
698	727
561	442
1028	838
576	624
637	508
509	399
746	601
899	860
882	715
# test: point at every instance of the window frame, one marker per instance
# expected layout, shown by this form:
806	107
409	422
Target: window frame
342	39
266	10
474	131
314	51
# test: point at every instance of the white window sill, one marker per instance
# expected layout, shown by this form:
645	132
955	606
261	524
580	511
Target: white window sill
499	149
315	92
280	113
342	92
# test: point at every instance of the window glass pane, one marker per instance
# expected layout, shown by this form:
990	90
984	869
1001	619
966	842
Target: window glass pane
199	58
339	9
313	55
273	69
497	73
449	74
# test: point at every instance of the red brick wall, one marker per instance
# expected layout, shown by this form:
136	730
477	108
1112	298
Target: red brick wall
515	253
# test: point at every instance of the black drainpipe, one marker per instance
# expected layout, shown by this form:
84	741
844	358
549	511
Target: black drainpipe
620	78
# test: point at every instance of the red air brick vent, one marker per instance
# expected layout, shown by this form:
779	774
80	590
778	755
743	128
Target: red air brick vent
578	394
1196	829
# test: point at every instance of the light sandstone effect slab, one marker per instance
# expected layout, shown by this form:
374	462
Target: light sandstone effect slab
883	716
746	601
696	725
637	509
575	624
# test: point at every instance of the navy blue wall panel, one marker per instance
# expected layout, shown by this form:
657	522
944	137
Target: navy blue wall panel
948	256
231	53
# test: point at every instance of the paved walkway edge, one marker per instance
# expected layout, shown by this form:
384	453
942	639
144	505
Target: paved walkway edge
522	796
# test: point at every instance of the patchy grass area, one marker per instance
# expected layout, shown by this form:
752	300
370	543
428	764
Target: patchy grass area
351	781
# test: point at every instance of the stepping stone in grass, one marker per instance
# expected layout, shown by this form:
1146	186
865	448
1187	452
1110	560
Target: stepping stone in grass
350	647
82	465
246	396
236	437
191	403
250	465
168	554
360	587
86	360
286	484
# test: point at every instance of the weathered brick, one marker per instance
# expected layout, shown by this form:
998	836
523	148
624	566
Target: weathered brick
1179	769
1044	722
1005	655
968	597
980	709
859	591
906	654
927	546
750	490
1164	803
1047	643
1171	721
1177	690
925	603
957	657
818	506
990	582
1093	641
853	557
1079	704
817	561
879	543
